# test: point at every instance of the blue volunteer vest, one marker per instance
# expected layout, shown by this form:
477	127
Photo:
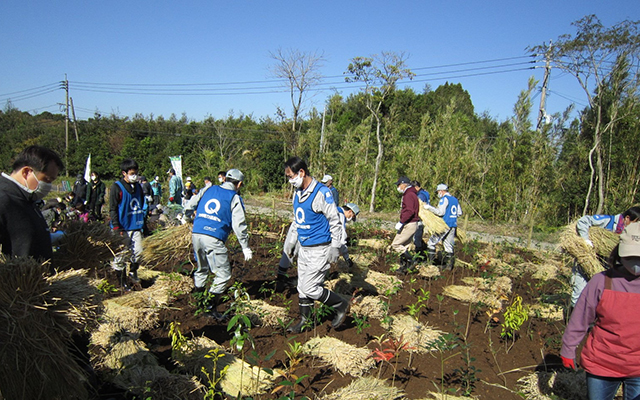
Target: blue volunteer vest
611	224
450	216
343	218
130	209
313	227
213	215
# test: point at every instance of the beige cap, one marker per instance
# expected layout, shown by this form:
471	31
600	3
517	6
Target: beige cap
630	241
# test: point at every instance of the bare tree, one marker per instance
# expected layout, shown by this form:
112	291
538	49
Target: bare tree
379	73
301	71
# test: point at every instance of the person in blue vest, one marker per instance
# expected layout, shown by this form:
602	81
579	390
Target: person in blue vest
175	188
449	209
316	228
327	180
219	210
424	197
612	223
347	213
126	208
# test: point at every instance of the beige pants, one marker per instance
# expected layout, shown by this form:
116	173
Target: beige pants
403	239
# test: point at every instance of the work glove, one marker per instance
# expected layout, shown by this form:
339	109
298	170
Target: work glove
399	226
248	254
568	363
334	253
588	242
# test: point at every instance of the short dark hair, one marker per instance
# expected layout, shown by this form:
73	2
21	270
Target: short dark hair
296	164
97	174
416	183
633	213
223	173
128	164
37	157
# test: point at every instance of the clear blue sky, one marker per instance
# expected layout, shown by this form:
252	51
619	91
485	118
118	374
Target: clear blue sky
124	43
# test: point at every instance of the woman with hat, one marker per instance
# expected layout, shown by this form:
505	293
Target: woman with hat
611	354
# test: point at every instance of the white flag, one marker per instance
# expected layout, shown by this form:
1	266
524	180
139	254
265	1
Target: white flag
87	170
176	164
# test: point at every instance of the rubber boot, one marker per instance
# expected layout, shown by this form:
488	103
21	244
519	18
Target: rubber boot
349	263
212	309
133	272
306	307
340	306
449	261
122	274
410	262
431	256
284	281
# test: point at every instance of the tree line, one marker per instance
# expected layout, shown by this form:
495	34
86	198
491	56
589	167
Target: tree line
502	171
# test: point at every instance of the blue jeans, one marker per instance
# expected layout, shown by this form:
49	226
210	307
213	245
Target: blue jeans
601	388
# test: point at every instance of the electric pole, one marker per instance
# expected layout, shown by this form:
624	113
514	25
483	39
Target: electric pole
75	121
543	95
66	125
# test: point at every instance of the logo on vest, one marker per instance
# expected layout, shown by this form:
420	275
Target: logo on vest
135	206
300	215
209	210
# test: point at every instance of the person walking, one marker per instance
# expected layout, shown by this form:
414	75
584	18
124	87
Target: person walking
156	190
316	228
612	223
23	230
424	197
608	312
219	210
175	188
449	209
126	208
95	196
347	213
408	224
327	180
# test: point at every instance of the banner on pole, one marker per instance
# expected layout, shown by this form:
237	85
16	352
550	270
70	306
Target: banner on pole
176	164
87	170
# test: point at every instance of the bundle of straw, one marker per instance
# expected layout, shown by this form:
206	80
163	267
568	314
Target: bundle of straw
587	256
366	388
343	357
35	361
543	385
86	245
434	225
415	335
72	294
169	247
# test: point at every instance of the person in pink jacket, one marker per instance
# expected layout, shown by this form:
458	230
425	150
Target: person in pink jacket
611	354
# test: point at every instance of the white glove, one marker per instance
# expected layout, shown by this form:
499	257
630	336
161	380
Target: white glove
248	254
334	253
588	242
399	226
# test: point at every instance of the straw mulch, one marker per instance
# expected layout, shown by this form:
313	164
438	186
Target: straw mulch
587	256
545	271
178	387
363	259
343	357
569	385
434	225
428	271
262	313
240	377
369	306
477	290
414	334
373	243
35	361
366	388
168	247
365	279
86	245
445	396
551	312
76	297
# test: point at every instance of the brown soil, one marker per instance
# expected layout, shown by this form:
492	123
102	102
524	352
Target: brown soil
482	363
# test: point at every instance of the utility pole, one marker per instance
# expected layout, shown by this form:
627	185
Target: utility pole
66	125
543	95
75	121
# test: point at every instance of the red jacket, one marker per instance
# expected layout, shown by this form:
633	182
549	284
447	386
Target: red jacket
410	206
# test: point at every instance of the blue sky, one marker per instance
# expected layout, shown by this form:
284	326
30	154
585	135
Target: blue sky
212	42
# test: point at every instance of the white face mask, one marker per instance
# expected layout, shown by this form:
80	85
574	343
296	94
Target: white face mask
440	194
39	193
93	178
296	182
132	178
631	264
220	180
400	190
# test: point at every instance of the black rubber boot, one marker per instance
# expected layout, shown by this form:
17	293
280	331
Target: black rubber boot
407	262
449	261
122	274
431	256
284	281
340	306
212	309
349	263
133	272
306	307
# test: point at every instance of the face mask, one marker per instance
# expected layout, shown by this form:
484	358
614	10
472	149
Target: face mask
400	190
296	182
93	178
133	178
350	218
632	265
40	191
220	180
440	195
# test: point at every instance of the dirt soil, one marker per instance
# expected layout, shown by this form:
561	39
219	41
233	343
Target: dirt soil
476	360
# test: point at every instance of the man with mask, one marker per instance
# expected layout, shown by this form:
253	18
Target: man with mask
449	209
219	209
126	208
316	229
23	230
95	196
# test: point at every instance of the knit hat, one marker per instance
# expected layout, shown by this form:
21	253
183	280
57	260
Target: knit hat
630	241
